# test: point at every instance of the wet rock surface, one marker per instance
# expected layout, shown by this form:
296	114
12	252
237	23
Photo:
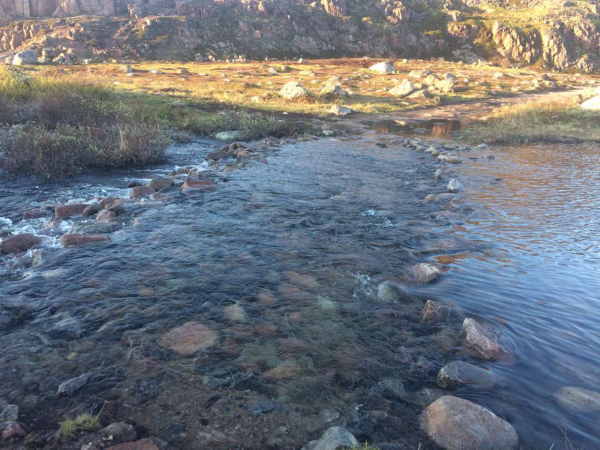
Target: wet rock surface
457	424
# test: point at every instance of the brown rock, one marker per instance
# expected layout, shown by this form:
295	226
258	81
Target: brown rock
160	197
287	369
141	191
90	210
266	297
19	243
203	185
106	216
105	203
73	239
190	338
66	211
423	273
304	281
35	213
142	444
161	183
215	156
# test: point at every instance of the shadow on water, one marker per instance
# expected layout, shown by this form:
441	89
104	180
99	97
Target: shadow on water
437	128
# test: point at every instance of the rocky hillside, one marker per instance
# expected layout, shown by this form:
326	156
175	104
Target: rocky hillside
554	34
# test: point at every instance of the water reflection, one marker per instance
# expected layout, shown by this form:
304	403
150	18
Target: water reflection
437	128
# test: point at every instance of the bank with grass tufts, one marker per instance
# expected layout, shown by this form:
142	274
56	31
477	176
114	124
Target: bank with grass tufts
52	126
535	122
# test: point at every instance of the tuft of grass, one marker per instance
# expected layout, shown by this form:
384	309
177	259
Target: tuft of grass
83	422
365	446
548	121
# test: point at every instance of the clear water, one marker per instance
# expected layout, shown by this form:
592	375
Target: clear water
300	244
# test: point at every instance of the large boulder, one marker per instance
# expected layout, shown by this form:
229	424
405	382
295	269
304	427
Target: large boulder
25	57
293	90
457	424
460	373
403	89
333	439
383	67
578	400
482	341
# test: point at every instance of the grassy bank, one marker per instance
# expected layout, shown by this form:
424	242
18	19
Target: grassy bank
55	126
551	121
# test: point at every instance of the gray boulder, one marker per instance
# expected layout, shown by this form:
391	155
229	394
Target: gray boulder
25	57
578	400
460	373
333	439
73	385
403	89
293	90
340	110
458	424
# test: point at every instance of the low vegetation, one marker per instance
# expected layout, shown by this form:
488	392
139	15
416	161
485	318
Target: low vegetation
54	126
549	121
83	422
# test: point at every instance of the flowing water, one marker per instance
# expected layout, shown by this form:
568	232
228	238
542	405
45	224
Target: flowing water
281	263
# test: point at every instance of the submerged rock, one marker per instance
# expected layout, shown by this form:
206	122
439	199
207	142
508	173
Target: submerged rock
423	273
189	339
334	438
458	424
482	341
578	400
389	292
460	373
19	243
434	313
235	313
72	239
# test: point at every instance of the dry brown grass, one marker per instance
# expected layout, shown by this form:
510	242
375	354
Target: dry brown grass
546	121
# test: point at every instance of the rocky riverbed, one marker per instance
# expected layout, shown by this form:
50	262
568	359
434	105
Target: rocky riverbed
263	295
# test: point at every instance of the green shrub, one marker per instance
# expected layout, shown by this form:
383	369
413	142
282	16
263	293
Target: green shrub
84	422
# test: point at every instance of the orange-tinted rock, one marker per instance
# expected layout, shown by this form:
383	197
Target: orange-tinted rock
66	211
73	239
267	329
159	196
294	293
304	281
190	338
204	185
141	191
19	243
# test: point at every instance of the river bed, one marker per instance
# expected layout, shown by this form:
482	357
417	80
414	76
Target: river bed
282	262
